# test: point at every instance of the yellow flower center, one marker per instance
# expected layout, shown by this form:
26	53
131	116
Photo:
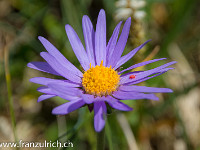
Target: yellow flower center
100	80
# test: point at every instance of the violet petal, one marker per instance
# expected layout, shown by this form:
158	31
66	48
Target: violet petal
100	113
68	107
100	38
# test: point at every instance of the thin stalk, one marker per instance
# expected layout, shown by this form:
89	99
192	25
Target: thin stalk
101	139
9	90
109	136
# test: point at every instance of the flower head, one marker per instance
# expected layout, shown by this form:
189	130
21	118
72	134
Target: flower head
101	83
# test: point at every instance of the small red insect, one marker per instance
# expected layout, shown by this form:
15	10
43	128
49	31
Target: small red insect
132	76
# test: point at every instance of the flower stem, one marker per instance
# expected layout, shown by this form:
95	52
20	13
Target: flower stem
101	139
109	135
9	90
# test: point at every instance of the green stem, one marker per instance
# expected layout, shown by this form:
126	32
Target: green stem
9	90
109	135
101	139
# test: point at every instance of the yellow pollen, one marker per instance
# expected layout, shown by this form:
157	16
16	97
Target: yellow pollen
100	80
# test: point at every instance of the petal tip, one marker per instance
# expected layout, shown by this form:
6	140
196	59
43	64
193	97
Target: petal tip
31	80
43	53
155	98
99	129
149	40
85	17
102	15
39	99
57	111
128	20
54	112
102	11
29	65
67	26
41	39
130	109
169	91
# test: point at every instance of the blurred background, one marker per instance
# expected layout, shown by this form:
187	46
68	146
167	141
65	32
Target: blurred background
172	123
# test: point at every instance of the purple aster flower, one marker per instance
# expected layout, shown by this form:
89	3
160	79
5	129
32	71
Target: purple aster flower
101	83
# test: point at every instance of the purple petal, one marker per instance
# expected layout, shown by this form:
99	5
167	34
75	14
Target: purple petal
68	107
58	56
121	43
112	43
141	64
42	66
165	69
100	38
88	98
60	68
88	33
44	97
116	104
144	79
65	91
100	112
135	88
141	75
46	90
123	95
77	47
91	98
130	73
128	56
160	72
45	81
